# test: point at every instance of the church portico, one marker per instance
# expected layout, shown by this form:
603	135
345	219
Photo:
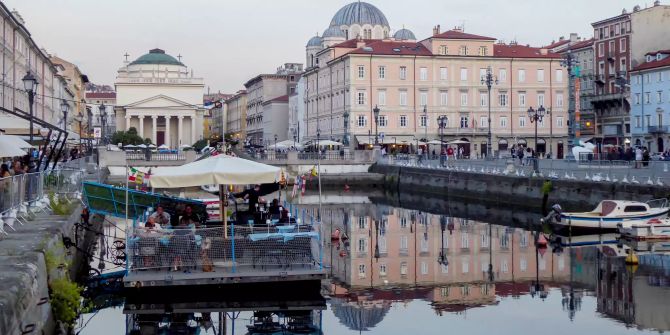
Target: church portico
161	99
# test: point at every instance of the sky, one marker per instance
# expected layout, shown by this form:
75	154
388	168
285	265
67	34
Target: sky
229	42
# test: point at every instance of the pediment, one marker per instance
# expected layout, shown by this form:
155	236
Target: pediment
160	101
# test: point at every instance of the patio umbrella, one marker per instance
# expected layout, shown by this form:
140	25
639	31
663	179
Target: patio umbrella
17	141
8	148
142	146
217	170
163	146
436	142
458	142
130	146
326	142
151	146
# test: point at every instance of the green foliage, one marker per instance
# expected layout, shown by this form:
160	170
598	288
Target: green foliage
199	145
127	137
60	207
547	186
65	299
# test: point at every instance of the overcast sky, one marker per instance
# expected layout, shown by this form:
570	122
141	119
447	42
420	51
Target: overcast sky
228	42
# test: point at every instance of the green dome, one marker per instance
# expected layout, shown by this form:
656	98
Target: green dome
157	56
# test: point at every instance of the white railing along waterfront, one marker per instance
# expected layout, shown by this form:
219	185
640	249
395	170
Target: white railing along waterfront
159	156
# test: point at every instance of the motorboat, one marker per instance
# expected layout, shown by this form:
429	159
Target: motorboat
608	214
645	229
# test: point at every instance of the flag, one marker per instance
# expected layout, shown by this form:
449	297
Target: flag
132	175
314	173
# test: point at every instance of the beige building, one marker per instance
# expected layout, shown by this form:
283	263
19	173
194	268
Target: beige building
76	81
414	82
236	115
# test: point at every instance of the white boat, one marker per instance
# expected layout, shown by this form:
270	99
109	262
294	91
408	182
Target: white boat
645	229
609	213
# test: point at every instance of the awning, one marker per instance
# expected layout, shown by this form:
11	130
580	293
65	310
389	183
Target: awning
387	139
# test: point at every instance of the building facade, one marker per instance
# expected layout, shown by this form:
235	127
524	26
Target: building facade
76	82
263	88
650	115
275	120
296	106
158	96
415	83
214	119
101	104
583	54
236	116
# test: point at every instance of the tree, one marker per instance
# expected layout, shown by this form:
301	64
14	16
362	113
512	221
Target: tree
127	137
199	145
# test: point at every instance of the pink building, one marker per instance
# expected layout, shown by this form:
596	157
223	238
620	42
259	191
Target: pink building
413	83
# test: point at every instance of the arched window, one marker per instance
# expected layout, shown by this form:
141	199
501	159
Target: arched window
346	33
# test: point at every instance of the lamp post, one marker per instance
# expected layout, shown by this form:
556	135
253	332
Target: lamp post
345	140
318	166
64	107
536	117
489	80
569	61
275	142
376	112
103	121
30	84
442	122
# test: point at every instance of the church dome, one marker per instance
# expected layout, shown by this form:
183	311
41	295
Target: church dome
404	34
157	56
334	32
314	41
359	13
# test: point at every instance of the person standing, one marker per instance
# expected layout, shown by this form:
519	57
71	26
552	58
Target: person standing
638	157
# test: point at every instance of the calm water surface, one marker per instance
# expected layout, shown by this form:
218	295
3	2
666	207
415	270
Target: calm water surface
403	270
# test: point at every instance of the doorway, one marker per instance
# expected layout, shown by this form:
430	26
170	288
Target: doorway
559	150
659	142
160	138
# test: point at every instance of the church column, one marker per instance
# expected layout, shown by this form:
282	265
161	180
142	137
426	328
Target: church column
167	132
193	139
128	122
180	133
154	126
141	130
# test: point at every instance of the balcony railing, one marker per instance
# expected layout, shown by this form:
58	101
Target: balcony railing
657	129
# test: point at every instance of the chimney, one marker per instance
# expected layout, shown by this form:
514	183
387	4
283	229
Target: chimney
657	3
360	43
574	37
544	51
438	28
435	32
560	39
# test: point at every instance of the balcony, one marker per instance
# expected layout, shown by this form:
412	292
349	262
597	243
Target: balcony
657	129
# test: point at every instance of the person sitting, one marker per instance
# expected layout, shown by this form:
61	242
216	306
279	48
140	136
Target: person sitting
274	208
160	216
189	218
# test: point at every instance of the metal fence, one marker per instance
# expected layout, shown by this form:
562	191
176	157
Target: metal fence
208	249
159	156
649	173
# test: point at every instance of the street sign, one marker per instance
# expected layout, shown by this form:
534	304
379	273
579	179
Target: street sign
97	132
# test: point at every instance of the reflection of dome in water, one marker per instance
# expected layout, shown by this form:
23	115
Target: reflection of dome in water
357	317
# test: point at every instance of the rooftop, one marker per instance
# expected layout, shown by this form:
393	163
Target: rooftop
522	51
100	95
583	44
381	47
456	34
157	56
665	62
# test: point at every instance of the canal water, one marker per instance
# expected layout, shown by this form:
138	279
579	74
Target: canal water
417	266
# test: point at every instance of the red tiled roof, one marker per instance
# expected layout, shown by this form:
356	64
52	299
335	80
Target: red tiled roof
521	51
100	95
557	44
582	44
351	43
653	64
283	98
657	52
459	35
380	47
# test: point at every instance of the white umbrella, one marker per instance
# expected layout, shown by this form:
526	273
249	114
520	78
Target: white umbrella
219	169
326	142
142	146
278	146
183	146
163	146
17	141
435	142
130	146
458	142
151	145
8	148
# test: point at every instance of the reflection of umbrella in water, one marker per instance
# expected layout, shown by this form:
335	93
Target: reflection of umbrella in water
357	317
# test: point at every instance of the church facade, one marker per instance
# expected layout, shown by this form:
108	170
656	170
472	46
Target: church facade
158	96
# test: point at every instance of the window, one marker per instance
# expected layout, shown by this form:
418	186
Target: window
424	268
443	50
559	121
423	121
464	98
362	245
559	99
522	75
540	75
443	73
382	72
381	97
502	99
382	269
503	122
360	98
444	268
464	74
483	51
522	121
647	99
463	50
465	268
361	72
522	99
383	121
559	76
622	66
540	98
403	98
403	72
616	29
403	242
659	76
504	267
659	97
502	75
610	52
361	270
607	32
464	122
403	121
482	74
483	99
446	120
637	122
362	121
444	98
403	268
423	73
636	99
622	44
423	98
483	121
601	49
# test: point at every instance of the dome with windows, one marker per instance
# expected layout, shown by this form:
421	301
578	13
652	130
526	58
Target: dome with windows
156	56
315	41
404	35
333	32
359	13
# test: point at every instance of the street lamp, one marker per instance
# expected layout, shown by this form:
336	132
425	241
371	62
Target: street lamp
569	62
376	112
346	127
318	166
536	117
275	142
64	107
103	121
442	122
30	84
489	80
